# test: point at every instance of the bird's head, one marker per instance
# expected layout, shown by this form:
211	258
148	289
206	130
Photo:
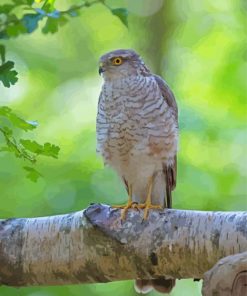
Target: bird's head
121	63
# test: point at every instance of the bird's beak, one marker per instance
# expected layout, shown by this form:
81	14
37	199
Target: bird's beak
101	68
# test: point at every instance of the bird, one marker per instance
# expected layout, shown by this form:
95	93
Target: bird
137	135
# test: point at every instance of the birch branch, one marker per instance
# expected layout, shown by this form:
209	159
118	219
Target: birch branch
227	278
93	246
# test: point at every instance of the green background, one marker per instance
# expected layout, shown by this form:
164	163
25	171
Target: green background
199	47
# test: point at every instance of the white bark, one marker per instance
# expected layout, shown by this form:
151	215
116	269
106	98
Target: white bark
94	246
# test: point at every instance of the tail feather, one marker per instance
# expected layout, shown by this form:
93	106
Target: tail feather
170	179
161	285
143	286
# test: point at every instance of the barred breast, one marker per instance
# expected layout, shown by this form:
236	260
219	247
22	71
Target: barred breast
136	133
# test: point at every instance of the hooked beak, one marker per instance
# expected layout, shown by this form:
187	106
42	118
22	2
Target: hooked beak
101	69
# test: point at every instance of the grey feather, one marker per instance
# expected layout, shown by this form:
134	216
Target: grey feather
169	171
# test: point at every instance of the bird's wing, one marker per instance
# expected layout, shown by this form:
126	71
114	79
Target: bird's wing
167	95
100	117
169	171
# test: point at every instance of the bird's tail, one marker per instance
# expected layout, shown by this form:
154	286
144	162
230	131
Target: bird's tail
161	285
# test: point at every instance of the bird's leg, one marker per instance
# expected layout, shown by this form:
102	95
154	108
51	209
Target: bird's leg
130	204
148	203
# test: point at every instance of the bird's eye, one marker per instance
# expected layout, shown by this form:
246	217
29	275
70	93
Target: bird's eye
117	61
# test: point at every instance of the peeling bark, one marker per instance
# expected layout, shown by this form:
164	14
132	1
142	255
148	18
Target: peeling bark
94	246
227	278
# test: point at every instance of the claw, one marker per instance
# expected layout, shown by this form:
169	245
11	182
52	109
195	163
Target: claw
124	208
148	207
130	205
134	205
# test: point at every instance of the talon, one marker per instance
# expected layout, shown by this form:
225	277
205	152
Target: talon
136	206
150	207
130	205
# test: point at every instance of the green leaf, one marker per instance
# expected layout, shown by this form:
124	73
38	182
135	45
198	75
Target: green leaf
21	123
122	14
30	2
16	120
30	21
7	74
32	146
32	174
4	110
7	131
14	30
52	24
2	53
23	2
51	150
6	8
47	149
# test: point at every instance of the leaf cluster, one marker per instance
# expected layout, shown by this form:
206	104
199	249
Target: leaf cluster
24	16
23	148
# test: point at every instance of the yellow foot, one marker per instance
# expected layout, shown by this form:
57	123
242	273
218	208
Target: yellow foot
148	207
129	205
148	203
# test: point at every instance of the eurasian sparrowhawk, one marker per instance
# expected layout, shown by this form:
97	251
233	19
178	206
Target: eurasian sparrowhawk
137	135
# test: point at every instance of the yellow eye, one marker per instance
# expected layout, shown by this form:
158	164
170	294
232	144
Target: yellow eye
117	61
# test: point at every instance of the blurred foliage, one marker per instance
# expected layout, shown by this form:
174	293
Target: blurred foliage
198	47
26	149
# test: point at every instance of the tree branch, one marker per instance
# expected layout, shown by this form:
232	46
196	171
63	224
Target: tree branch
228	277
94	246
